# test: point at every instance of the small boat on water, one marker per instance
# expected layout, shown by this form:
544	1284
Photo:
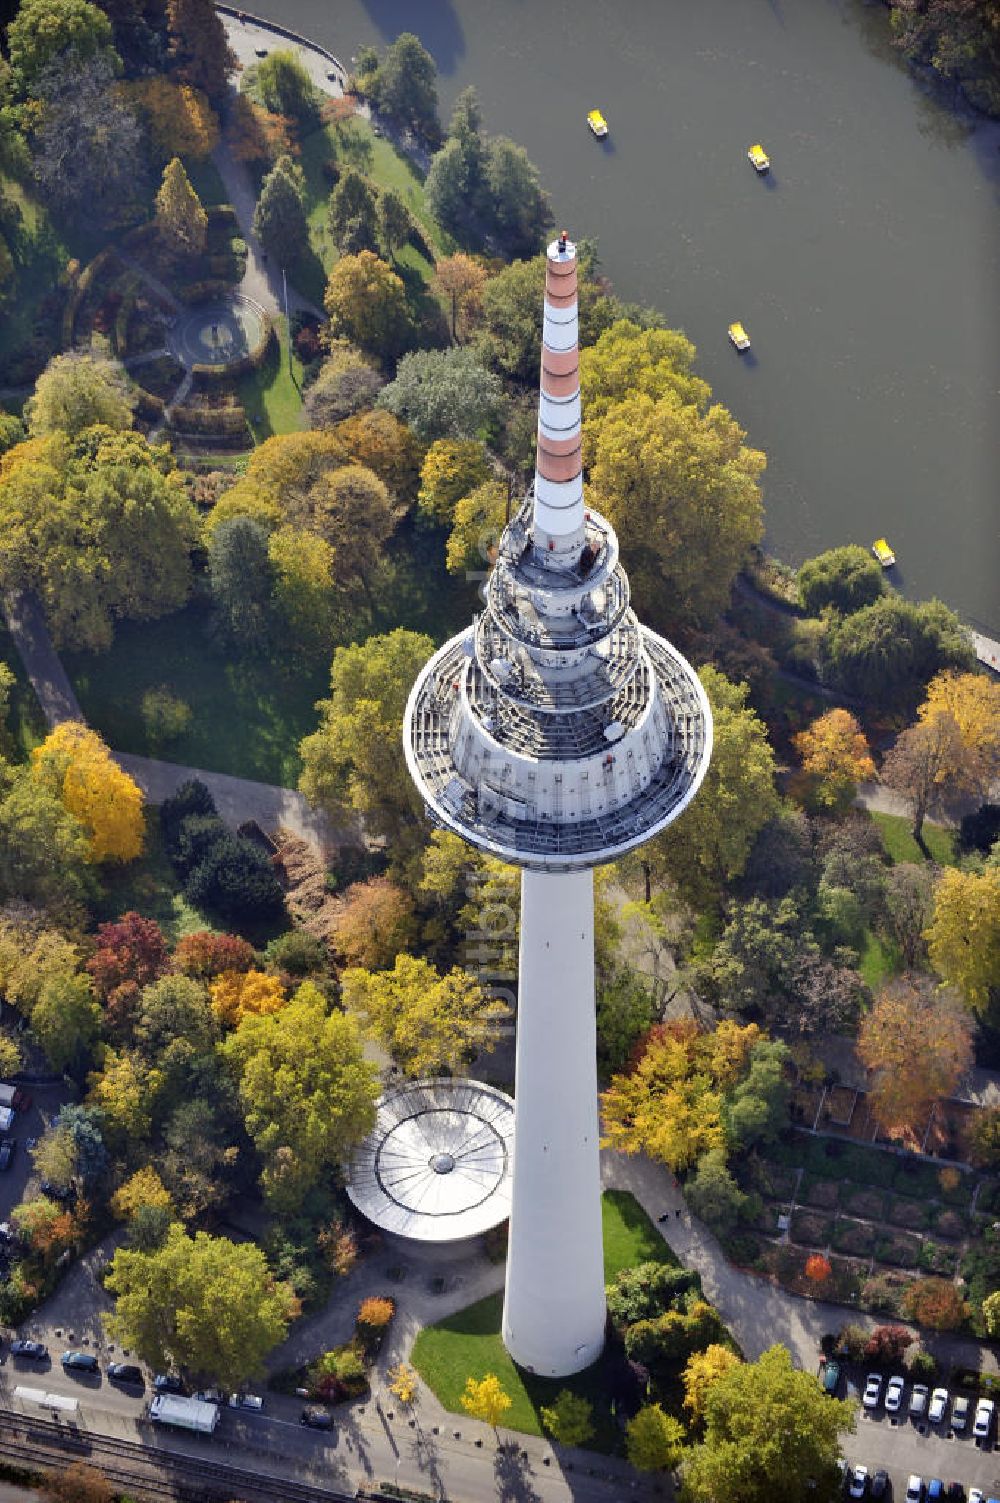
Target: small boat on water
759	158
883	553
598	124
739	337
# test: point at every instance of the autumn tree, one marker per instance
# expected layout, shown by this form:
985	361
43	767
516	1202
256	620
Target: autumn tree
366	303
972	701
670	1104
480	518
47	1227
283	84
846	578
303	588
835	759
653	1439
701	1371
444	394
200	54
75	763
768	1425
460	280
242	994
87	148
42	31
710	846
937	1303
485	1399
205	1305
279	219
131	949
381	443
926	765
126	1092
963	938
65	1020
307	1093
348	381
278	480
909	906
403	1383
375	924
143	1188
100	529
77	390
205	954
991	1314
818	1268
428	1022
917	1045
180	218
179	119
984	1138
355	759
452	468
569	1419
888	1344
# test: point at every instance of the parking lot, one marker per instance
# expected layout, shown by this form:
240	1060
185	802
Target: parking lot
905	1445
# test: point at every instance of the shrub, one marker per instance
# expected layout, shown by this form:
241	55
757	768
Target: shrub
647	1290
818	1268
237	881
920	1364
204	954
374	1315
881	1293
936	1303
297	953
165	715
192	797
886	1345
851	1342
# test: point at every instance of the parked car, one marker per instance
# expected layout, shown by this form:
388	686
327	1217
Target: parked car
168	1383
63	1193
858	1484
873	1391
316	1418
984	1418
34	1349
894	1395
210	1396
938	1406
975	1495
935	1490
7	1150
880	1483
960	1412
830	1377
81	1362
918	1400
125	1372
245	1401
914	1489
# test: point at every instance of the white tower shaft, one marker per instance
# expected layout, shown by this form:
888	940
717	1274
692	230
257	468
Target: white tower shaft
554	1311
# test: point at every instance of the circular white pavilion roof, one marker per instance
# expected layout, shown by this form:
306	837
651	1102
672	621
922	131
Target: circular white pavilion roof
437	1165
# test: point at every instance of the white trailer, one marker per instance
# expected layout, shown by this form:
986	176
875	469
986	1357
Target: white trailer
186	1414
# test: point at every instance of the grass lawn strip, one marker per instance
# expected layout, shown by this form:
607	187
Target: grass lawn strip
468	1344
272	395
897	837
149	886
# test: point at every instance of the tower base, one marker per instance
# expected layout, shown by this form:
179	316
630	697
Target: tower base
554	1310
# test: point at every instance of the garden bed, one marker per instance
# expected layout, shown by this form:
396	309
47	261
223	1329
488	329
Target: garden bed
914	1214
824	1193
838	1108
899	1249
863	1202
857	1237
810	1228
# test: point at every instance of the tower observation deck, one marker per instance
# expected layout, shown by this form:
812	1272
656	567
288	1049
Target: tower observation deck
557	733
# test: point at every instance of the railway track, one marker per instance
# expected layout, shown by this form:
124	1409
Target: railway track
158	1473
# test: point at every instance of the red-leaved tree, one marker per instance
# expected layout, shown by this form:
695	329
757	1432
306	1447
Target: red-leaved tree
131	950
818	1268
204	955
887	1344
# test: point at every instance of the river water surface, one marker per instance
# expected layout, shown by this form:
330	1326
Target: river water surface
866	268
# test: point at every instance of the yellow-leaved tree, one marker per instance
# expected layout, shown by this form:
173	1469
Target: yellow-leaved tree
486	1399
835	759
918	1045
143	1188
240	994
973	702
963	939
427	1021
75	764
653	1439
700	1372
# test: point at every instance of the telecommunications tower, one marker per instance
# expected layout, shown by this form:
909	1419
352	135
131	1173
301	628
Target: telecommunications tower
557	733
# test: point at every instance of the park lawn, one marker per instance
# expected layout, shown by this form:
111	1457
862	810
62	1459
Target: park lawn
897	837
248	714
354	144
879	961
272	395
25	721
45	259
149	886
468	1343
206	182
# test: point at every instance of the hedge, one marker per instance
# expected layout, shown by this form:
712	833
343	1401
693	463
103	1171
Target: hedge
222	216
84	282
203	291
223	421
